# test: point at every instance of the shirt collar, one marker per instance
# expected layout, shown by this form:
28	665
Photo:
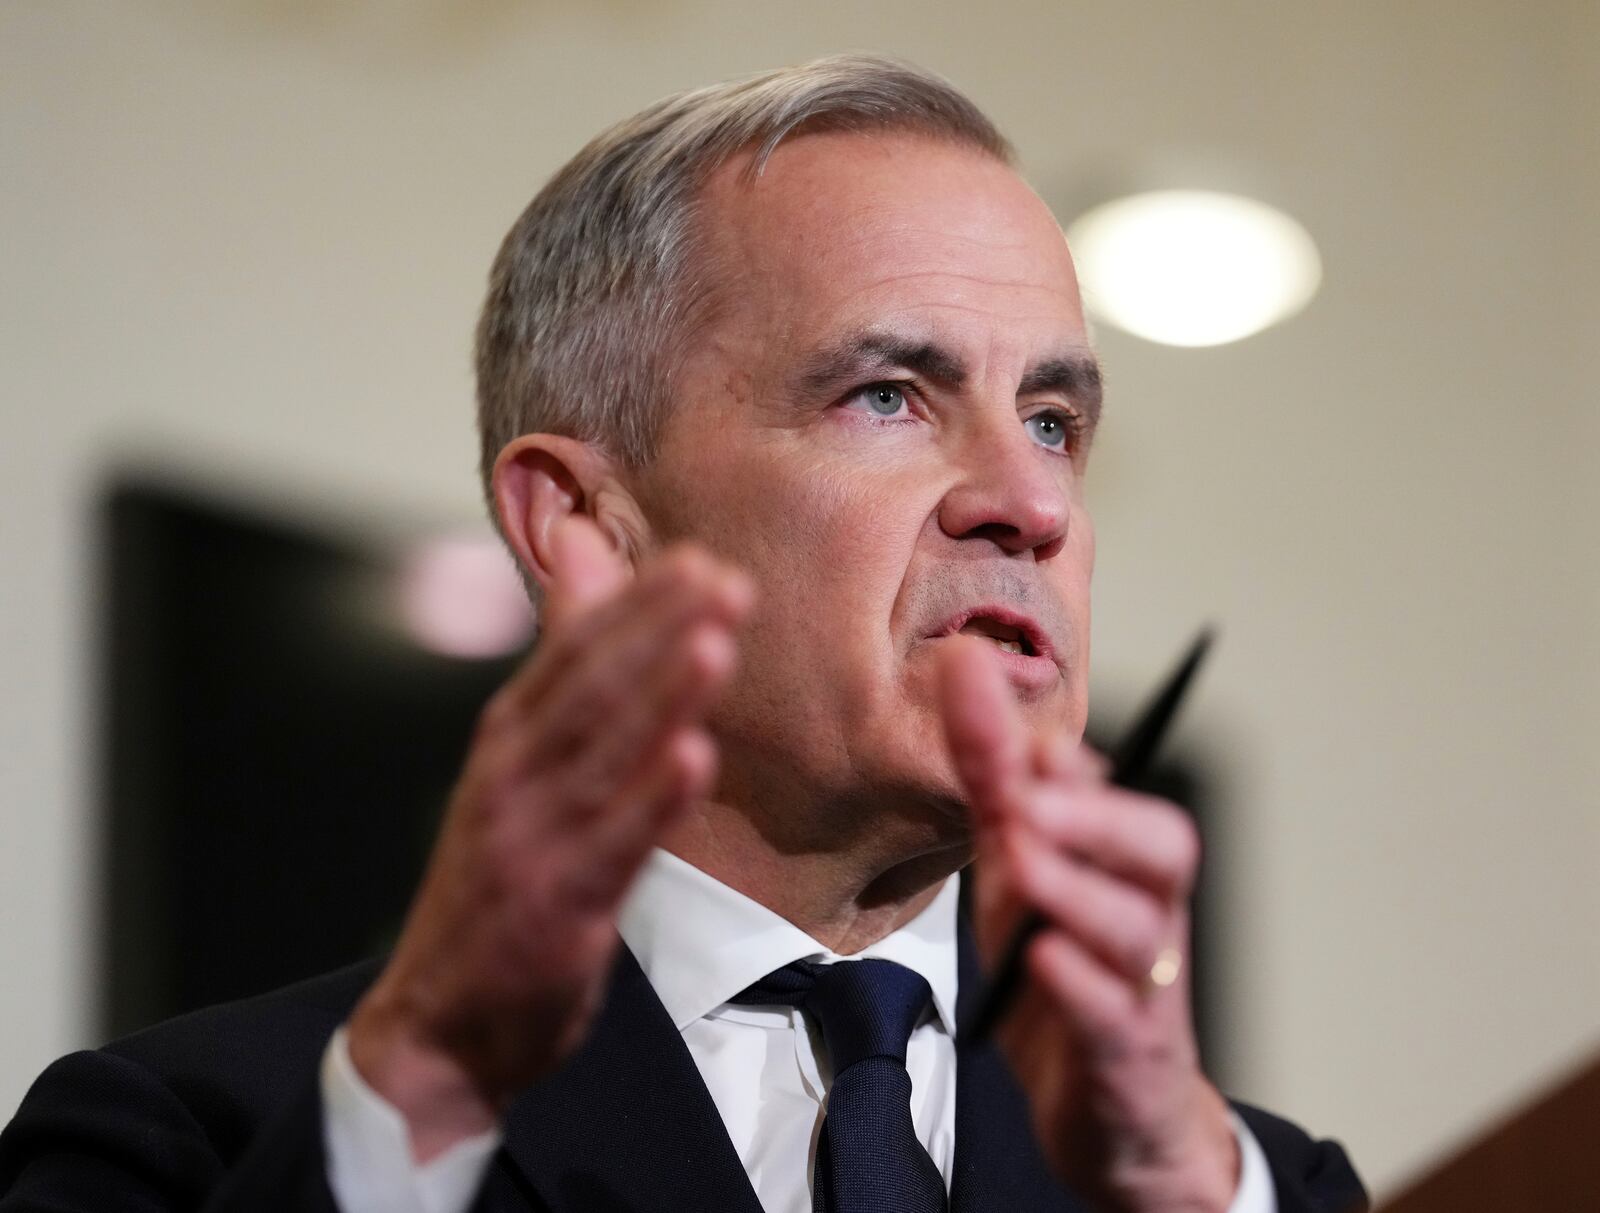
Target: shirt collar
700	942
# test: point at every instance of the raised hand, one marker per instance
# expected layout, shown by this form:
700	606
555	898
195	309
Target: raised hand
578	766
1102	1038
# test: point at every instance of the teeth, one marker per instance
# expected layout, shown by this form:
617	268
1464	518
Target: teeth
1010	646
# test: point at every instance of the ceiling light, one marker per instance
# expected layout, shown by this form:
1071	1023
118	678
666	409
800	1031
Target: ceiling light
1193	267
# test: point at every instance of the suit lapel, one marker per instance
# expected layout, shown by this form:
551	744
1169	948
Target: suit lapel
998	1165
627	1124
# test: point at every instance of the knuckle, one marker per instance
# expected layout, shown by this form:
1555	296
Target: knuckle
1024	864
1169	839
1144	943
1187	846
581	799
707	653
1026	878
608	698
591	700
1135	958
1044	812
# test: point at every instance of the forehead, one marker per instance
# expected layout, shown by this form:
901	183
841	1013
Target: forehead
841	229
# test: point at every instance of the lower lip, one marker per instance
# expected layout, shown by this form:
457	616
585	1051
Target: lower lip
1026	672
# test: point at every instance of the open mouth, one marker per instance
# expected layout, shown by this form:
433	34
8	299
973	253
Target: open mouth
1008	638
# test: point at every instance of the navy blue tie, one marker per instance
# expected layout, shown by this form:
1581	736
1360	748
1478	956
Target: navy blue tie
868	1157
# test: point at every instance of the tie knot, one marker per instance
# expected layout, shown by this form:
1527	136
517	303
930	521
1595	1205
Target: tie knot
866	1008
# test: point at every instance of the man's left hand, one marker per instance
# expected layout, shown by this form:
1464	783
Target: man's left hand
1105	1051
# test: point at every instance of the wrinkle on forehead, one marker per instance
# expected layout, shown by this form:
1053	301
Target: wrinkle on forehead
843	232
937	264
838	195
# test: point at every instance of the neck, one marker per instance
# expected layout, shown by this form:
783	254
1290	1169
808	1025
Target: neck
845	899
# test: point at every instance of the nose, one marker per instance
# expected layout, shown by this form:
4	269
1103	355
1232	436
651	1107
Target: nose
1008	493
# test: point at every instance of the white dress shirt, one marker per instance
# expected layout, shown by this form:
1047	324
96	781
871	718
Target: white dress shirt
700	943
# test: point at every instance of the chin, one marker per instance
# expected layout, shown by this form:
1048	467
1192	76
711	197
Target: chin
914	786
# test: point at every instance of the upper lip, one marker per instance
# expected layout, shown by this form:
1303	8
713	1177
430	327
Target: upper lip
1024	623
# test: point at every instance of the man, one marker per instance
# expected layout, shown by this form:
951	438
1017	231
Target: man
786	399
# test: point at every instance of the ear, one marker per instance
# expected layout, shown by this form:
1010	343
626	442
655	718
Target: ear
539	479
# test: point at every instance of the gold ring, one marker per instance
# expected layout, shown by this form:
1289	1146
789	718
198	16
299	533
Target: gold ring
1169	963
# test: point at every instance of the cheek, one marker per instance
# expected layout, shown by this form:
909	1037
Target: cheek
830	555
828	545
1077	572
1078	565
809	525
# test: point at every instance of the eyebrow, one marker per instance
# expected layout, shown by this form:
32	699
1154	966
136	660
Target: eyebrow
872	353
1075	374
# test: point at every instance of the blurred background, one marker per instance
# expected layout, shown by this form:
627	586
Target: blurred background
241	250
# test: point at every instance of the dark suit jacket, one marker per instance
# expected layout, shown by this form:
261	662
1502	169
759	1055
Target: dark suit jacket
219	1111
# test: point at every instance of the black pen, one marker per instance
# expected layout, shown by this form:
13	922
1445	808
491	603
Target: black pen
1129	764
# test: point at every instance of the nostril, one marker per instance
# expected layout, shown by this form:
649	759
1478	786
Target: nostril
996	532
1013	508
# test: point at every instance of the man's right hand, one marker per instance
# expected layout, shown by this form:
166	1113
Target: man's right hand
579	765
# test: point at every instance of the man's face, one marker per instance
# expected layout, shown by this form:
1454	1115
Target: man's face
886	424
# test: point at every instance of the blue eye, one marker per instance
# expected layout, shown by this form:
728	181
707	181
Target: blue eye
1051	428
883	399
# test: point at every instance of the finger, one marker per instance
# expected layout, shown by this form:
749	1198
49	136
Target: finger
998	908
614	683
1061	756
1142	838
678	690
679	773
669	589
988	742
685	574
584	570
1097	1002
580	688
586	573
1119	922
1052	755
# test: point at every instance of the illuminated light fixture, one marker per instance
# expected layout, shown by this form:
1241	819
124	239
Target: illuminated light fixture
461	596
1193	267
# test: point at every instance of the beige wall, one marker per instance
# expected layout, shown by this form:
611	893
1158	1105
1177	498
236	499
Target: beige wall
253	236
1582	72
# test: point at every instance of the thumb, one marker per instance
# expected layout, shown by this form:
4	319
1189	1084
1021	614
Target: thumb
998	909
584	570
988	742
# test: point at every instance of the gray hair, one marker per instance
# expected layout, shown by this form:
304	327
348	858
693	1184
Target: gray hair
597	288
